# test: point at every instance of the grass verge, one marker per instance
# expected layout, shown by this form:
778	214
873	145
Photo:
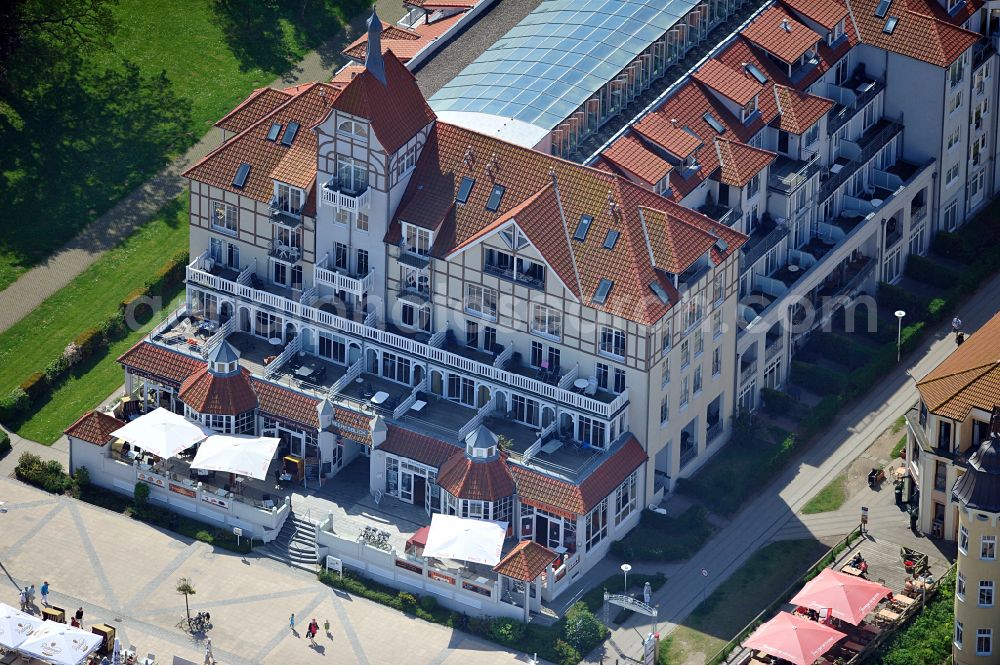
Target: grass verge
829	498
733	605
29	345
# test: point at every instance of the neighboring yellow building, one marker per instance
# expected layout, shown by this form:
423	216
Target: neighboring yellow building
977	492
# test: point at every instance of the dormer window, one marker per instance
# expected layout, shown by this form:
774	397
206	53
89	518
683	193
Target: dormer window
416	240
353	128
288	199
749	109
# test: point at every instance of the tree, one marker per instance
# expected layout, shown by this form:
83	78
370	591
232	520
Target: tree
584	631
185	587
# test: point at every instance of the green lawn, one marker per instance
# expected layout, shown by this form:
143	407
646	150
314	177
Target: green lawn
87	386
829	498
733	605
662	538
94	130
29	345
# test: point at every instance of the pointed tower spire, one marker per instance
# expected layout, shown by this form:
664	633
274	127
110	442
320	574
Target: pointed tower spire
373	58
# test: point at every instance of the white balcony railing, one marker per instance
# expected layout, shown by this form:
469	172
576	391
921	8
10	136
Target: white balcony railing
340	281
408	345
334	196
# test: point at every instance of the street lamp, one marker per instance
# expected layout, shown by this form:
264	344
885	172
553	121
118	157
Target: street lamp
899	331
625	568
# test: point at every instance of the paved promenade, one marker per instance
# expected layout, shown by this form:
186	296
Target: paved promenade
123	573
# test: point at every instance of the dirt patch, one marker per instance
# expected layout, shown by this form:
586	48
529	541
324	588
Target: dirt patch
876	455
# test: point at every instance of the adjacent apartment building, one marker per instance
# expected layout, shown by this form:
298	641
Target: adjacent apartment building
840	137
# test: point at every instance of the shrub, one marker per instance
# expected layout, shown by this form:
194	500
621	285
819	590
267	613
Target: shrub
34	386
88	341
507	631
777	402
930	272
81	476
14	404
140	497
428	603
55	369
5	446
584	631
842	348
819	380
113	327
566	653
408	601
130	300
49	476
71	354
952	246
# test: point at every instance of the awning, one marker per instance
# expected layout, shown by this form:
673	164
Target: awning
162	433
463	539
60	644
791	638
849	598
419	539
242	455
15	626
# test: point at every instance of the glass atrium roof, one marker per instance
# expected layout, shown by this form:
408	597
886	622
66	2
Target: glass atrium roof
559	55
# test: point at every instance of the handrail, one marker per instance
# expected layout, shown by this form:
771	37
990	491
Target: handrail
290	350
569	377
353	372
504	355
222	333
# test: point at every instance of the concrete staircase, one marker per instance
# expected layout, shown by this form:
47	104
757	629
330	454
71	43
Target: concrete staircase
295	544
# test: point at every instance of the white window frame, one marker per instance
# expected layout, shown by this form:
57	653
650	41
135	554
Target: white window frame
230	222
417	240
481	301
546	321
626	498
610	341
960	586
963	540
988	634
987	588
990	541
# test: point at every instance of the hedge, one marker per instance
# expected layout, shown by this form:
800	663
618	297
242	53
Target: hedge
5	446
930	272
819	380
562	642
18	403
778	402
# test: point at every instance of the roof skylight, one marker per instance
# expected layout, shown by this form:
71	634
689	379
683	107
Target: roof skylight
660	292
883	8
890	25
242	172
756	73
290	131
464	189
583	227
272	134
493	204
603	289
713	123
611	239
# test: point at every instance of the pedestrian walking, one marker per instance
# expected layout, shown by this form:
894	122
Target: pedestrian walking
45	592
31	595
326	627
956	324
959	338
79	616
22	597
291	622
209	656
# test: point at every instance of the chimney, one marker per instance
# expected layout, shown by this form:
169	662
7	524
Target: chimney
785	25
673	121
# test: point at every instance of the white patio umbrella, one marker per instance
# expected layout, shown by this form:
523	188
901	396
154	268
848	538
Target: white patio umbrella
116	654
15	626
464	539
242	455
60	644
162	433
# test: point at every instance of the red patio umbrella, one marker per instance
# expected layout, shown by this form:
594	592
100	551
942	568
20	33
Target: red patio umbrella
419	539
849	598
799	641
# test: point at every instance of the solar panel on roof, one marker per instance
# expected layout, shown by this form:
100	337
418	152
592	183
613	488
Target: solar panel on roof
583	227
656	288
611	239
883	8
603	289
713	123
272	133
890	25
756	73
464	189
493	204
242	172
290	131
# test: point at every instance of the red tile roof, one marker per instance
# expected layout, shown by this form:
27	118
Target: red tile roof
631	154
227	395
567	499
352	425
675	244
269	160
424	449
286	404
799	110
739	162
259	104
94	427
397	111
777	32
733	84
921	32
670	134
477	480
404	43
345	75
828	13
968	378
526	561
153	361
452	152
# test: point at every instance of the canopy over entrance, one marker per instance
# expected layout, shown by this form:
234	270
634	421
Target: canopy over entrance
463	539
799	641
849	598
60	644
242	455
162	433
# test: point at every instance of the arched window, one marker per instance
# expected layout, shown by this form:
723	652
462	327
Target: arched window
354	128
